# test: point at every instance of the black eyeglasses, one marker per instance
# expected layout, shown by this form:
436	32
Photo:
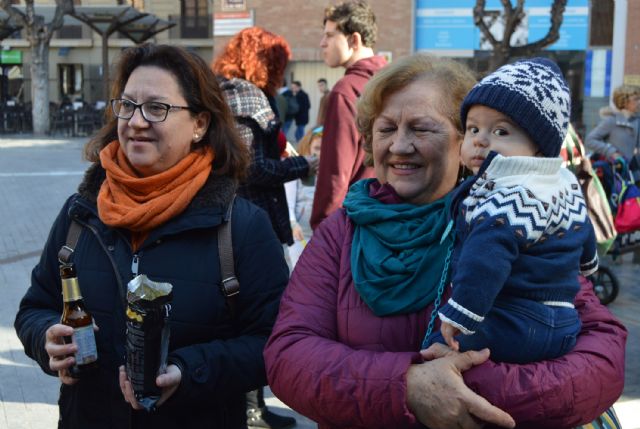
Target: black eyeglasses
152	111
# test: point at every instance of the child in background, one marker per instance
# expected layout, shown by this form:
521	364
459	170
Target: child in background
300	196
522	230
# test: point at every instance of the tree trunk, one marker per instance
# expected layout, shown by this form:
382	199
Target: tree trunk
502	49
496	60
40	86
39	34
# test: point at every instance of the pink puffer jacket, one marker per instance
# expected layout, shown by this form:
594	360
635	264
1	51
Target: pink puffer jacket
331	359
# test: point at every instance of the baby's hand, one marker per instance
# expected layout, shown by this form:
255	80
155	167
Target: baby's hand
449	331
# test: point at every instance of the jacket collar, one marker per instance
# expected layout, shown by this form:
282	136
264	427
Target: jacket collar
624	121
367	67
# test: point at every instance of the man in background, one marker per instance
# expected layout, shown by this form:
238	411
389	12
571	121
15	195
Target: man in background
291	108
349	35
323	87
302	117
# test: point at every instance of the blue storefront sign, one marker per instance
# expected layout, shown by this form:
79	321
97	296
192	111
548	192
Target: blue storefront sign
448	25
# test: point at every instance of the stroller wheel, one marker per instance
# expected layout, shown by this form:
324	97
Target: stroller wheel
605	285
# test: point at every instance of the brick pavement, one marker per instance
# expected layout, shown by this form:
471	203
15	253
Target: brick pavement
34	181
36	176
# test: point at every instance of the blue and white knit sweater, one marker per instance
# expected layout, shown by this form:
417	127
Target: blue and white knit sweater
522	230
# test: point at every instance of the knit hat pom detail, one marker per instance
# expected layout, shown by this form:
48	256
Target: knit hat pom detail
534	94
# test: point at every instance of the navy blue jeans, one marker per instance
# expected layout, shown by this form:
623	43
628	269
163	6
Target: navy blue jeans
520	331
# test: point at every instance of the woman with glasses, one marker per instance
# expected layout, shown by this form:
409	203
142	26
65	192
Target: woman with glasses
164	172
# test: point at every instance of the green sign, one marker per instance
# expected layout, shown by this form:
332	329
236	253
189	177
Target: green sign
11	57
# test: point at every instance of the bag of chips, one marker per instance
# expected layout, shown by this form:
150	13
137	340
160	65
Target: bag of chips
148	307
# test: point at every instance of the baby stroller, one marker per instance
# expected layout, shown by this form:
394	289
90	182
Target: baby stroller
618	183
605	283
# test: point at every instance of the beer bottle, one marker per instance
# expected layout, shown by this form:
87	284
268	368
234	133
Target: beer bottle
75	314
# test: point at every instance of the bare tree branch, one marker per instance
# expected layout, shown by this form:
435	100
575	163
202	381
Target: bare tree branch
478	19
513	18
39	34
14	13
506	4
557	15
63	7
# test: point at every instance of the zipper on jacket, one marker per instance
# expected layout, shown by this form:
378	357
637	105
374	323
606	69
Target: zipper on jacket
134	264
109	256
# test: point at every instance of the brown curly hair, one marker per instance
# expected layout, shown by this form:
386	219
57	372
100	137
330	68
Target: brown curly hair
202	93
256	55
354	16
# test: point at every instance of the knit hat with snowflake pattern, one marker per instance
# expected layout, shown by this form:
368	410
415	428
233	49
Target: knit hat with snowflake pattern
534	94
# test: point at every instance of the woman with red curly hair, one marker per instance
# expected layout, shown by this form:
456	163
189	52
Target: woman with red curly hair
256	55
249	70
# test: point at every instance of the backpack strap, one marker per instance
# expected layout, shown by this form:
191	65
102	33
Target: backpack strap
64	255
230	286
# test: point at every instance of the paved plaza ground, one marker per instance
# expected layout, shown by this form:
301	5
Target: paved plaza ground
37	175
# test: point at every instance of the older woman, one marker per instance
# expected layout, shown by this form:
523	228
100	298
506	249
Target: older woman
164	171
618	134
345	348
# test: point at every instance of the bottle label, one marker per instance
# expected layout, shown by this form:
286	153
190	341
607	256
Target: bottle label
85	340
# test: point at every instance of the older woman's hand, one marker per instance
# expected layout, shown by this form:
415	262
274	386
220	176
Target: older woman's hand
168	382
438	397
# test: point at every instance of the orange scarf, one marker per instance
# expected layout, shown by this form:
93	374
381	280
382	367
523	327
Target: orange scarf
141	204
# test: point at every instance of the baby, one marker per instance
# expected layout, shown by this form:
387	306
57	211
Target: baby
522	230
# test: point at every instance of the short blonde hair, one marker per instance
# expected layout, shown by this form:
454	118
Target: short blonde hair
454	79
622	94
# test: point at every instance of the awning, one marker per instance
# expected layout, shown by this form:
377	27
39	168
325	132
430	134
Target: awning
105	20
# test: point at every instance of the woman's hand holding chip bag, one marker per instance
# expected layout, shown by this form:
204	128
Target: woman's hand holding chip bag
168	382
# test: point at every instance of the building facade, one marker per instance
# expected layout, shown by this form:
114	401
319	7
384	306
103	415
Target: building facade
205	26
593	56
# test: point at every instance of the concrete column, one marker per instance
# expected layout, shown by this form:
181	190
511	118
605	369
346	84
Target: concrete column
619	43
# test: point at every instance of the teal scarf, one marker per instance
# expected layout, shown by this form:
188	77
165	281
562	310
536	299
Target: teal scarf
397	256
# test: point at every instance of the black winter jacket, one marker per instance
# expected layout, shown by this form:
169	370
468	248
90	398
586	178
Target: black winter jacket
221	356
258	128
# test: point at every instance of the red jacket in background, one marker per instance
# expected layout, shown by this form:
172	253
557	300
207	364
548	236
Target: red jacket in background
341	162
331	359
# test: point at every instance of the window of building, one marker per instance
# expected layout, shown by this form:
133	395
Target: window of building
195	20
11	83
70	78
70	32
